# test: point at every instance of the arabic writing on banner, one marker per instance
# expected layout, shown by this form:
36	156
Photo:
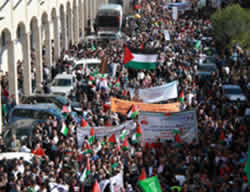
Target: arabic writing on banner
122	106
105	131
158	93
159	126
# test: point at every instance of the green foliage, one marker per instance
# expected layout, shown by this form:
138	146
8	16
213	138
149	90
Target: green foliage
232	26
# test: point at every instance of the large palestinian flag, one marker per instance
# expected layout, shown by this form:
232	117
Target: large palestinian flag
140	58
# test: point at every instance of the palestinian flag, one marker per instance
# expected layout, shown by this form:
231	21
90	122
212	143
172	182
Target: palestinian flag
124	134
86	172
146	145
112	139
151	184
87	149
125	145
64	129
132	112
84	123
137	134
96	187
92	135
117	84
247	166
181	97
197	44
222	137
143	175
140	58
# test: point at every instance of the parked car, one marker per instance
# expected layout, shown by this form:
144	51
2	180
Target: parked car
37	112
206	70
60	101
22	129
63	84
86	63
233	93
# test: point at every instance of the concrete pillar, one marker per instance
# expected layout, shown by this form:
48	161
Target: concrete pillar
12	72
80	13
57	50
69	26
39	67
64	31
76	24
94	7
86	13
27	84
48	52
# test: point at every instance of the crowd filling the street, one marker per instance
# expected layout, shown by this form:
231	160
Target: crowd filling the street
161	105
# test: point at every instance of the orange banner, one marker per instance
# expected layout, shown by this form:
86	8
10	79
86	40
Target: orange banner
122	106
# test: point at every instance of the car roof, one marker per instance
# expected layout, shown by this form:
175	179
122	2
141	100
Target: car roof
21	123
208	64
17	155
43	95
230	86
88	60
40	106
110	6
64	76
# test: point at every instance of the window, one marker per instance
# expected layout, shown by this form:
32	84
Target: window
44	115
62	82
24	113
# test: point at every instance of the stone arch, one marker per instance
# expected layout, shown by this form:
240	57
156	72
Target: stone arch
69	22
63	32
12	70
81	20
75	15
56	42
25	71
36	54
46	40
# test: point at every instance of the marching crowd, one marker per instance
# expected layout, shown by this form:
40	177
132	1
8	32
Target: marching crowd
213	163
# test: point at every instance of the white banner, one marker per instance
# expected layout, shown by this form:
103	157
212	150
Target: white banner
175	13
159	126
158	93
104	131
116	183
166	34
103	184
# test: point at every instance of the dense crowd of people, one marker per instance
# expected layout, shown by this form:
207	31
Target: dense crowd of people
213	163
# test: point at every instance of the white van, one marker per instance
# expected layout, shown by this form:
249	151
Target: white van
63	84
86	63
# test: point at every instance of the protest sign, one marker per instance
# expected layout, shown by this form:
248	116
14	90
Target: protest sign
116	183
159	126
122	106
175	13
166	35
105	131
158	93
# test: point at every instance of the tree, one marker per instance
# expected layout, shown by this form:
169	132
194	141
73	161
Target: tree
231	26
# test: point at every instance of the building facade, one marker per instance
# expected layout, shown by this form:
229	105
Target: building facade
31	28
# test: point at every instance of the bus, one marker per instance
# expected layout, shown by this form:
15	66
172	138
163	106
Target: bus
109	18
124	3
